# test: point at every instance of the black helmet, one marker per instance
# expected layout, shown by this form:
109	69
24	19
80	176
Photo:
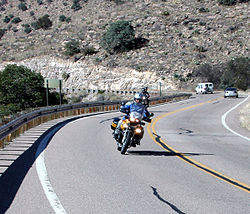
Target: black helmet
144	89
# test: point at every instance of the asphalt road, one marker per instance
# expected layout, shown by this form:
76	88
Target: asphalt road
188	162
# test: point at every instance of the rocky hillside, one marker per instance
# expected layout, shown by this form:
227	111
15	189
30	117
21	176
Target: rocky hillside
181	35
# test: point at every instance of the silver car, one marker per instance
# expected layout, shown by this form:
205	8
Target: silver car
231	92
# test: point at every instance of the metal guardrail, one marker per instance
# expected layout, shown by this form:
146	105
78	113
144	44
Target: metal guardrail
26	121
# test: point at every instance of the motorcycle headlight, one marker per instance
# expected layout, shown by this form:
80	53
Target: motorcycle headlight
138	131
132	119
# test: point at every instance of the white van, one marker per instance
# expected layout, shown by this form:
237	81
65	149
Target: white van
204	88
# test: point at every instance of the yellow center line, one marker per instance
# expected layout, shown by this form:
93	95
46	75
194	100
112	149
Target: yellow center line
157	139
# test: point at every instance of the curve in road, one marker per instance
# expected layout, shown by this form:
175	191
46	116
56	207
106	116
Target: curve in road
157	139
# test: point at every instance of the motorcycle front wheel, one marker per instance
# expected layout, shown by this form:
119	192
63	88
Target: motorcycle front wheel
125	142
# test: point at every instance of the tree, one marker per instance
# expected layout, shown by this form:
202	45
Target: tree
237	73
119	37
227	2
21	88
43	22
209	73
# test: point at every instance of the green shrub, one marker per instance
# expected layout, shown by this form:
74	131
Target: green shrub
76	5
118	2
27	28
2	32
119	37
43	22
89	50
32	13
62	18
22	6
6	19
68	19
165	13
72	47
9	109
40	2
14	29
196	32
201	23
21	86
35	25
16	20
231	2
237	73
227	2
203	10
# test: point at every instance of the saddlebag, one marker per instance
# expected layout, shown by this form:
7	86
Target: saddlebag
114	123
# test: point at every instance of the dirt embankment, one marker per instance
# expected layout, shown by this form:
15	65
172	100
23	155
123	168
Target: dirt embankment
245	116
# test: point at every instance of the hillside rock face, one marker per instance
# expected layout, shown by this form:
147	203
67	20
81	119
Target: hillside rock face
81	76
181	34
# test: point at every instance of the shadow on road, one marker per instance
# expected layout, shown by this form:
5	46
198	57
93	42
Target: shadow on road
166	202
12	178
110	119
163	153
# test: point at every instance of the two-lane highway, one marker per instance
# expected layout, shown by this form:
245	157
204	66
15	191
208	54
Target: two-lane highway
188	162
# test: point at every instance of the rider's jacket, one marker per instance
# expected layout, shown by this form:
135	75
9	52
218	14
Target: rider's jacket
137	107
146	94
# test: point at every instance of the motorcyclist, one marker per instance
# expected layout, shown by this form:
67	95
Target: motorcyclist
145	96
129	107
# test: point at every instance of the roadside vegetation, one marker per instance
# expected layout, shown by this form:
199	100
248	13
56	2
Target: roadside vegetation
233	73
22	89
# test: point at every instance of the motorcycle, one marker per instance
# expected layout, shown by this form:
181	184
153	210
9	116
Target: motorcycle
132	131
145	100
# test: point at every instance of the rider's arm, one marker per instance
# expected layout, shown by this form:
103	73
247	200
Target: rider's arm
125	109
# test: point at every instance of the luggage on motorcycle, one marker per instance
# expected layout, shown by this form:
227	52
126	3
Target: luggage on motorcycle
114	123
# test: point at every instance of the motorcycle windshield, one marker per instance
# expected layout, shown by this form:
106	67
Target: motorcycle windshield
136	115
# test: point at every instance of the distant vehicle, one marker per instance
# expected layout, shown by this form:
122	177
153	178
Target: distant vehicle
231	92
204	88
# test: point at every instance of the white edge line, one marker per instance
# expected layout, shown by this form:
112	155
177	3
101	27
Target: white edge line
223	120
47	187
43	175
